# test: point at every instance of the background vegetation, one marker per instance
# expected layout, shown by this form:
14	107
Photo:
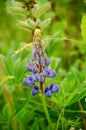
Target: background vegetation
19	110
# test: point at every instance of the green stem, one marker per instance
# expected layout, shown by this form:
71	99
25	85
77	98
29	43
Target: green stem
46	111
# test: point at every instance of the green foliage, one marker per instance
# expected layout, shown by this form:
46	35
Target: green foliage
67	51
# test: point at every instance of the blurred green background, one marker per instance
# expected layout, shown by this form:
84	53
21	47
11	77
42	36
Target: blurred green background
67	50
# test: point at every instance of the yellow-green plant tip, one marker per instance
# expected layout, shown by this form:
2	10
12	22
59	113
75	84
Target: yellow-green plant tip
41	10
37	32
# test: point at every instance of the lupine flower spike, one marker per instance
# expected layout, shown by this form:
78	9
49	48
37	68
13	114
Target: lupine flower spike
39	66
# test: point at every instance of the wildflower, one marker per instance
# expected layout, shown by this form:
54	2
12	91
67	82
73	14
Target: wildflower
35	90
29	67
51	89
49	72
36	76
54	89
47	92
34	69
41	60
28	82
39	66
35	55
47	61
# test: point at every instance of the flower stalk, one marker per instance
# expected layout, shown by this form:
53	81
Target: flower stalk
39	66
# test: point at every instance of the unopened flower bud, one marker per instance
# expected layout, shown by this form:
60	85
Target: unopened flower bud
49	72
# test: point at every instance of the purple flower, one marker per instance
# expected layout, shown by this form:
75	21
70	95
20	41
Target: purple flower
35	55
42	79
41	60
55	89
34	92
51	86
29	67
28	82
51	89
36	87
52	73
47	92
36	76
40	71
32	62
34	69
40	52
49	72
46	89
47	61
31	77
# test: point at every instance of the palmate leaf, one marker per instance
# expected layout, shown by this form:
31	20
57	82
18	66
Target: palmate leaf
76	95
15	66
72	89
82	92
19	70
